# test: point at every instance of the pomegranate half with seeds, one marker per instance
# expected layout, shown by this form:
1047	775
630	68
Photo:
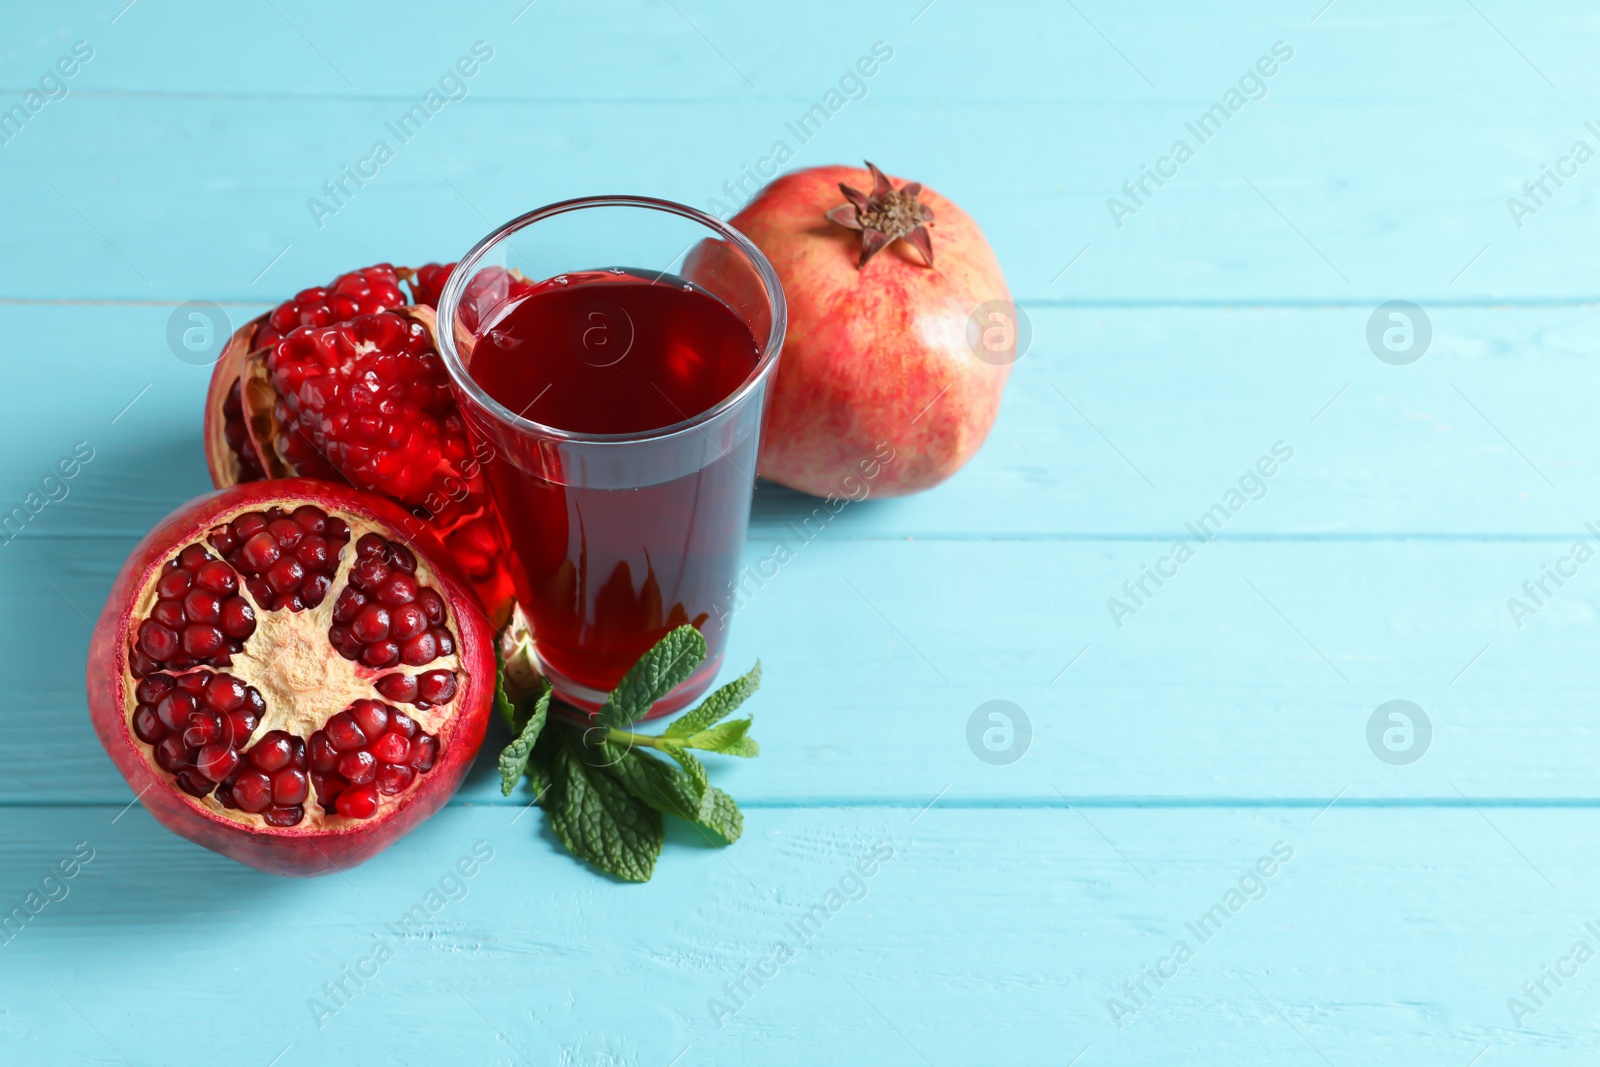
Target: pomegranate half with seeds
285	675
343	383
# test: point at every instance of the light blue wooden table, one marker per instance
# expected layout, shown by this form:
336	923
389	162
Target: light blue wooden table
1177	338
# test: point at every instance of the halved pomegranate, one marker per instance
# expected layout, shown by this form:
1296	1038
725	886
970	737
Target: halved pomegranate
344	383
285	674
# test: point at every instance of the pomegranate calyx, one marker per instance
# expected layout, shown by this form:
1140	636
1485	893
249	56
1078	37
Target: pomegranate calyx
886	215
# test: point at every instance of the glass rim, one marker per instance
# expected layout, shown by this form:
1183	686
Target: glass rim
450	299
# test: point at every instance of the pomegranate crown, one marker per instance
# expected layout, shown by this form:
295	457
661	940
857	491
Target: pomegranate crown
886	215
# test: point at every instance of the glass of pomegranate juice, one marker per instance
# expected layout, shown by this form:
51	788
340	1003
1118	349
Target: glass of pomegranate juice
612	356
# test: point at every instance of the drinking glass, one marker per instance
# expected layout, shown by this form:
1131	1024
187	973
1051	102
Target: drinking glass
616	538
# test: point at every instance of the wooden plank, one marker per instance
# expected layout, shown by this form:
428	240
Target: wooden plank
1384	936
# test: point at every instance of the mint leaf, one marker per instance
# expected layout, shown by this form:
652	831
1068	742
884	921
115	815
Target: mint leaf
671	790
718	706
728	738
599	820
514	759
696	772
672	660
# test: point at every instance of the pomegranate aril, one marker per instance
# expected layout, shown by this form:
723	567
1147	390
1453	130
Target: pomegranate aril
424	750
273	752
261	551
225	693
174	710
194	783
358	767
192	557
290	787
240	725
421	649
284	566
173	584
402	559
247	526
371	716
343	733
393	780
202	606
286	532
157	641
390	748
381	655
153	688
400	688
436	687
310	519
205	728
328	785
321	753
193	684
358	802
146	726
433	604
216	577
397	589
285	816
172	755
407	621
402	724
369	574
200	641
370	545
371	625
238	618
216	761
313	551
169	613
349	605
285	576
252	791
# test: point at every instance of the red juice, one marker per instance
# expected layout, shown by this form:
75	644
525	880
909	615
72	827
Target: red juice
604	573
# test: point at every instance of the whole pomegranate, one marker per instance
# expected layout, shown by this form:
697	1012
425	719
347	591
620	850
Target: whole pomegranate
287	676
343	383
880	376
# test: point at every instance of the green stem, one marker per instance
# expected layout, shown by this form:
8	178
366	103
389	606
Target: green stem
629	738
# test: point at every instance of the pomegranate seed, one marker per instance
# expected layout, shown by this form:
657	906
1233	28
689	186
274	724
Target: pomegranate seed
158	642
398	589
400	688
146	726
201	641
402	724
273	752
261	551
216	761
407	621
371	716
247	526
191	558
447	644
371	625
433	604
173	585
314	589
201	606
205	728
328	786
241	724
313	551
311	519
421	649
153	688
381	655
358	802
343	733
393	780
289	816
424	750
194	783
252	791
390	748
172	755
217	577
193	684
349	605
169	613
368	574
401	558
436	687
359	767
290	787
238	618
371	546
285	576
174	710
286	532
321	753
224	795
225	692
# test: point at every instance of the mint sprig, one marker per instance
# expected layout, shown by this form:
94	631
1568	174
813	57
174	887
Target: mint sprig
602	790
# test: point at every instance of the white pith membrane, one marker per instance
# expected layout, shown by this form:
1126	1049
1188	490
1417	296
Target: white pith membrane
301	676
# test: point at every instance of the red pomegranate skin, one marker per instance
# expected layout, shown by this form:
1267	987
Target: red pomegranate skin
876	356
296	851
